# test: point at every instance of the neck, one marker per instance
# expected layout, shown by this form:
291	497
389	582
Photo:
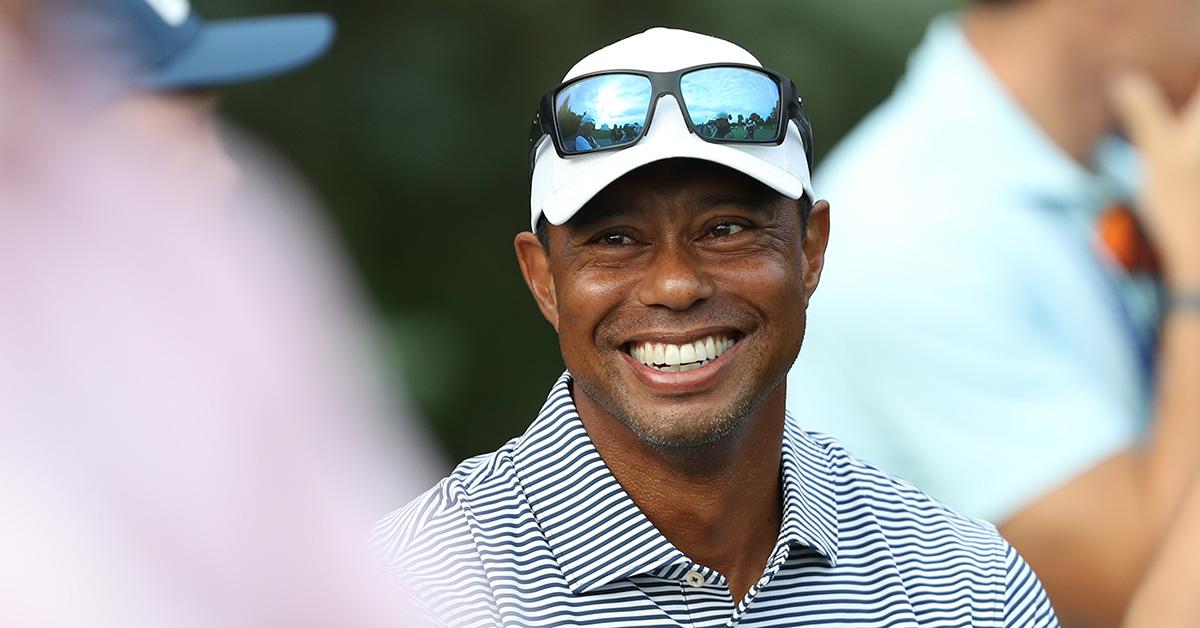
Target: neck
721	504
1031	49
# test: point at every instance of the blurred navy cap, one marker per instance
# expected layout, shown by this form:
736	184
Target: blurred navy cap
169	47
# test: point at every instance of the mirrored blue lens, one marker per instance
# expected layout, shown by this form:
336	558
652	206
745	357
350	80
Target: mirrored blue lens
734	104
602	111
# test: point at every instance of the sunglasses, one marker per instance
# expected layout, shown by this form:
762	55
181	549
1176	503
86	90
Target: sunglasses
722	103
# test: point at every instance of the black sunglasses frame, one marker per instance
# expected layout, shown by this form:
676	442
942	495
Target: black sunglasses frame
545	122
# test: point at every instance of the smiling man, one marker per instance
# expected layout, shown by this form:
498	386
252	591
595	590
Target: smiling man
663	484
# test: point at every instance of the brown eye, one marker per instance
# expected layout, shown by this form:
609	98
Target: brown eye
726	229
615	239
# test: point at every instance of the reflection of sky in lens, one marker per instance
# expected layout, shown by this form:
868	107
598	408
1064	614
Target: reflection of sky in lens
709	93
611	100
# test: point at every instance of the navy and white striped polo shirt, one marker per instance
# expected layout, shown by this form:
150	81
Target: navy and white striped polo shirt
539	533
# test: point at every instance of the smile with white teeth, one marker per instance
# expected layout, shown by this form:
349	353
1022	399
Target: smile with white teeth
680	358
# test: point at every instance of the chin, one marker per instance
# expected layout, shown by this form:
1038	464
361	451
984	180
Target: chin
686	430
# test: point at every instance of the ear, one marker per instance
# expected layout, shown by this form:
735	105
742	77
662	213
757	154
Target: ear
535	267
816	238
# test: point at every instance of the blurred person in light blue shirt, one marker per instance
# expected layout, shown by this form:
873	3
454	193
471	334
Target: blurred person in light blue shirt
994	327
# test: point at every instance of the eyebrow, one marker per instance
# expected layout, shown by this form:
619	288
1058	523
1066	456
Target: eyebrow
759	201
593	212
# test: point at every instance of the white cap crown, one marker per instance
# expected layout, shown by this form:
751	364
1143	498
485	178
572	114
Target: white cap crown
562	185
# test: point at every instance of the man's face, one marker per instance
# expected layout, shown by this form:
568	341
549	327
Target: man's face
679	295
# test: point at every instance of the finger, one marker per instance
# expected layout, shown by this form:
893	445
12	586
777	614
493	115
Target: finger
1142	107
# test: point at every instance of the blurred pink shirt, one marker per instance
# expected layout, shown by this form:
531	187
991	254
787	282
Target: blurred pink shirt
193	427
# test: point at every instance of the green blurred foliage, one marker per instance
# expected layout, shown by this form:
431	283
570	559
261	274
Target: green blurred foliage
413	132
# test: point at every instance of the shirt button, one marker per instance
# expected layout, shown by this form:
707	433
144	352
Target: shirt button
694	578
762	582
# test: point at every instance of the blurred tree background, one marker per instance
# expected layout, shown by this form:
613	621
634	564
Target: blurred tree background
413	133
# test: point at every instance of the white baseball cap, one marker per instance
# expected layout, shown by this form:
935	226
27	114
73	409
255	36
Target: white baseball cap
562	185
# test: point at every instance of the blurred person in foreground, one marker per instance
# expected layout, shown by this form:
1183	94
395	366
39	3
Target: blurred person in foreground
662	483
192	428
991	328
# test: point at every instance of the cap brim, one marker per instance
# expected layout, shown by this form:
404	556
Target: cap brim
564	203
233	51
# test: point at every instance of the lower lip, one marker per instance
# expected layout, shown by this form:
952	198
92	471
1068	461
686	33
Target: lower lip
683	382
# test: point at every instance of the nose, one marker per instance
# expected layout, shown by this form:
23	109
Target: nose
675	279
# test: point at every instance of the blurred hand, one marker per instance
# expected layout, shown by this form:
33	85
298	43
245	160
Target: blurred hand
1159	605
1170	144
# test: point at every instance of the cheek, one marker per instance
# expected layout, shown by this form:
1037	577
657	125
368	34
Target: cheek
592	289
773	284
585	299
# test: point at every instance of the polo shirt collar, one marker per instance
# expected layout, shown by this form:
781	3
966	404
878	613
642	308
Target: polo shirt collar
810	498
599	535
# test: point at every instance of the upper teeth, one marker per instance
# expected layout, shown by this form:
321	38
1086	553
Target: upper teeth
680	358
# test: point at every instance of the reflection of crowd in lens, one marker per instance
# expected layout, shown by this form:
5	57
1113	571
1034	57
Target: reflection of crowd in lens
586	139
625	133
724	127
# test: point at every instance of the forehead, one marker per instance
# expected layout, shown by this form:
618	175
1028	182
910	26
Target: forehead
682	184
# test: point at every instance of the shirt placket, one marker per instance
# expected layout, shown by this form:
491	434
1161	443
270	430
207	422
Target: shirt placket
778	558
703	586
699	587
